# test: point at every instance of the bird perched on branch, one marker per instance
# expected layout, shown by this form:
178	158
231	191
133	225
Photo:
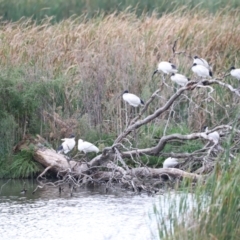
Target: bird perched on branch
179	79
67	145
86	147
213	136
235	72
201	71
201	61
170	162
166	67
132	99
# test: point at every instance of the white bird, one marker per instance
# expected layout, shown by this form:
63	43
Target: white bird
132	99
179	79
67	145
87	147
201	61
170	162
166	67
213	137
201	71
235	72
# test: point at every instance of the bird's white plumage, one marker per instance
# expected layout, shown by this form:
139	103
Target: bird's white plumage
201	71
170	162
87	147
166	67
235	72
213	136
179	79
67	145
201	61
132	99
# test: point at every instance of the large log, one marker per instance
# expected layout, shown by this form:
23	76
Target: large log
59	164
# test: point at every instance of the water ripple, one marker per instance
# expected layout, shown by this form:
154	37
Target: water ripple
87	215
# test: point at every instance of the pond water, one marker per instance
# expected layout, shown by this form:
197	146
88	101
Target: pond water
89	214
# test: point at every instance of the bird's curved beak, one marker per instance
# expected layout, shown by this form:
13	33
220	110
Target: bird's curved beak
154	73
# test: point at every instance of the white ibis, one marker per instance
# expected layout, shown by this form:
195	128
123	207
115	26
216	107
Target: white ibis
201	61
166	67
235	72
212	137
67	145
201	71
170	162
132	99
86	147
179	79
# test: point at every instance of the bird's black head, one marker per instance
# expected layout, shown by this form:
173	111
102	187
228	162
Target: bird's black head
195	57
126	91
194	64
72	136
232	68
204	128
173	74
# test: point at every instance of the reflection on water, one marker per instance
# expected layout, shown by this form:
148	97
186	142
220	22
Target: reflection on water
88	214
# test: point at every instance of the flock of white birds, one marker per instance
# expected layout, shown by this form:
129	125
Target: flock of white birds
83	146
200	67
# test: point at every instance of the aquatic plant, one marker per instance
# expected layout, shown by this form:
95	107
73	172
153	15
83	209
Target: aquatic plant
206	211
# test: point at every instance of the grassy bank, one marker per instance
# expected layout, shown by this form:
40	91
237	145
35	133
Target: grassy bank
15	9
210	211
66	77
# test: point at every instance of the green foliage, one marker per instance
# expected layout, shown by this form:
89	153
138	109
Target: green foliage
21	102
16	9
8	128
23	165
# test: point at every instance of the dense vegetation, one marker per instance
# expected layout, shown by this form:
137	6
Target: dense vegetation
67	77
59	78
60	9
211	211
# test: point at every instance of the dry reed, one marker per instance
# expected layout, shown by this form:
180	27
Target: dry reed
100	57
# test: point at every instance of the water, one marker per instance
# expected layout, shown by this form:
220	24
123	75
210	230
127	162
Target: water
89	214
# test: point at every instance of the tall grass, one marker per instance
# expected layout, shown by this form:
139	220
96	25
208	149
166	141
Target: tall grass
66	77
211	212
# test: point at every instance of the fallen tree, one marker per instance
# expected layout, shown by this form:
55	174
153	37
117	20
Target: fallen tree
111	167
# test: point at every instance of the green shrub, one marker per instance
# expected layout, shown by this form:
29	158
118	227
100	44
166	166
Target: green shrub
23	165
